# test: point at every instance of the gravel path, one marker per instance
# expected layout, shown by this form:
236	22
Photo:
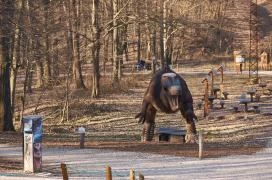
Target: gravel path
90	164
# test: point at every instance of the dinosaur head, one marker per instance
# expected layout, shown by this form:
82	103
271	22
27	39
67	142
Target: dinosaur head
172	90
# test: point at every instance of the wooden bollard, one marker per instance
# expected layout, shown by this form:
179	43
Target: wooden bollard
206	100
81	132
108	173
141	177
211	74
64	171
132	175
82	140
200	139
221	70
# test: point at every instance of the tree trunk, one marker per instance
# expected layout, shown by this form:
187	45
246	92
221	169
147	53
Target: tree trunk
2	102
39	73
35	18
69	39
124	41
6	34
29	51
106	53
138	42
55	59
115	42
16	61
169	38
29	76
46	63
95	48
153	50
162	34
151	26
77	72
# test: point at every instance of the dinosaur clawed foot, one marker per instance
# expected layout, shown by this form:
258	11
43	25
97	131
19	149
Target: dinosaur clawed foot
191	138
141	117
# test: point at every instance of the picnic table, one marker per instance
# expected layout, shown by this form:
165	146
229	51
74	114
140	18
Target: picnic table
245	102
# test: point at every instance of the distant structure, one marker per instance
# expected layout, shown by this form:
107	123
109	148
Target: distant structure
265	61
239	61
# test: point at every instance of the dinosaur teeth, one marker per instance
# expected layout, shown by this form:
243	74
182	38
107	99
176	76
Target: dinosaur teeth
174	103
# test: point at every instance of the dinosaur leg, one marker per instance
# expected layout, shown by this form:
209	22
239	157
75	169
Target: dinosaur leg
188	113
149	124
142	114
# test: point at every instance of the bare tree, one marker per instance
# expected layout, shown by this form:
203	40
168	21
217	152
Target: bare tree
46	43
95	47
75	26
115	41
16	58
6	34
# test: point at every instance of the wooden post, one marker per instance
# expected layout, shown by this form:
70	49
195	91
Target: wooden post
81	131
108	173
132	175
221	70
64	171
200	139
212	81
82	139
206	100
141	177
221	90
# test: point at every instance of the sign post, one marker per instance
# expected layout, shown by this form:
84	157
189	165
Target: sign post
32	143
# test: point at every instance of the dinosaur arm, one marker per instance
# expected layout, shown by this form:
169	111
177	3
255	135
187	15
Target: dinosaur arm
141	115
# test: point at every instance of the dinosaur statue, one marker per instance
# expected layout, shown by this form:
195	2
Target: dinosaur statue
167	92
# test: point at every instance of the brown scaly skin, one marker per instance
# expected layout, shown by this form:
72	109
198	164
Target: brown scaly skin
169	93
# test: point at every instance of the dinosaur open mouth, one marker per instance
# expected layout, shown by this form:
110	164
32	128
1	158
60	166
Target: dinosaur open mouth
174	102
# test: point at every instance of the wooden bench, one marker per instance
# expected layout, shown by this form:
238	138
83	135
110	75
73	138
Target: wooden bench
215	90
170	135
225	94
